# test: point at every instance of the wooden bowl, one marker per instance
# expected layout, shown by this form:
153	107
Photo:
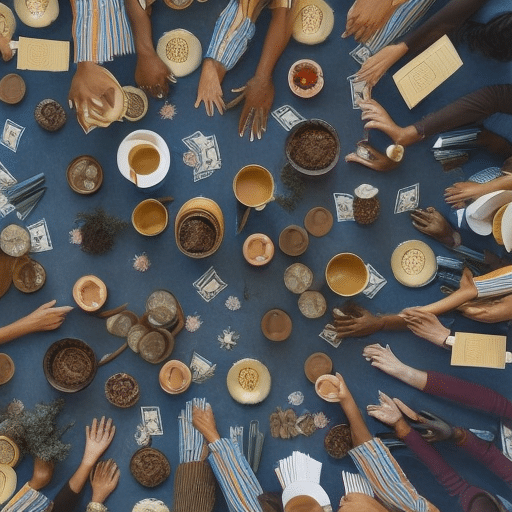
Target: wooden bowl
346	274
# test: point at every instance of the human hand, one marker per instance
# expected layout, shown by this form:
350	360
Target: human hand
379	119
384	359
104	480
460	192
372	158
430	222
488	310
97	439
356	322
425	325
387	411
365	17
92	93
209	90
374	68
5	49
204	421
258	96
152	75
46	317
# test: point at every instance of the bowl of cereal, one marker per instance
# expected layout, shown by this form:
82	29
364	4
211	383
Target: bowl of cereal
414	263
248	381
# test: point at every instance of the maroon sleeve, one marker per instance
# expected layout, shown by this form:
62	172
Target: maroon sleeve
472	108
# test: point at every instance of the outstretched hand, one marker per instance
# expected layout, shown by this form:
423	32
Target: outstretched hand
365	17
258	96
356	322
97	439
425	325
209	90
460	192
46	317
104	480
387	410
374	68
152	75
430	222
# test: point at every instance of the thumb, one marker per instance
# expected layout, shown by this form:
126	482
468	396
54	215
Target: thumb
48	305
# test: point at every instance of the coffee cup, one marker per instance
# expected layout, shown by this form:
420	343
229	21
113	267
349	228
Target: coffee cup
143	158
253	186
150	217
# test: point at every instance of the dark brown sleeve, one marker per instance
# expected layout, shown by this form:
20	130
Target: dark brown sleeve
445	21
66	500
472	108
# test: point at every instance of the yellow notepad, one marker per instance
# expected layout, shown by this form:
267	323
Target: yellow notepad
43	54
483	350
417	79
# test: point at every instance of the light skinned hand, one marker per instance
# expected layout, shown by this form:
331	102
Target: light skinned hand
379	119
384	359
365	17
97	439
104	480
425	325
46	317
209	90
374	68
387	411
204	421
460	192
152	75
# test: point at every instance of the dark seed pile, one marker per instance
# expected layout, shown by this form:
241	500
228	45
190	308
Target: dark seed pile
313	148
197	235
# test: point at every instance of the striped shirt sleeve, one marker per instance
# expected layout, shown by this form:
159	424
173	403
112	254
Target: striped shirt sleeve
235	477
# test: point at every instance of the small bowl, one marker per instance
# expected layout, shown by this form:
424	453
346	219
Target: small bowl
150	217
327	387
318	221
253	186
69	365
90	293
175	377
313	139
316	365
346	274
276	325
84	175
305	78
6	368
293	240
258	249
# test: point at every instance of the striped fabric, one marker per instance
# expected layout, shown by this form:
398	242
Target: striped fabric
28	500
400	22
229	43
489	174
498	282
235	477
389	483
100	30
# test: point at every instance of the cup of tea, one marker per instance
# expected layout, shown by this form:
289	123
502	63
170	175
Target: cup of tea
150	217
253	186
143	158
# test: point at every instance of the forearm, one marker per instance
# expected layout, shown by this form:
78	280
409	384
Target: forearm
358	429
79	478
472	108
393	323
501	183
15	330
141	27
445	21
277	38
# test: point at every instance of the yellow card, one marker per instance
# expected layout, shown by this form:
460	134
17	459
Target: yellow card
417	79
483	350
43	54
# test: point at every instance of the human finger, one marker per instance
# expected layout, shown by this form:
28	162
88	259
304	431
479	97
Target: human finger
219	103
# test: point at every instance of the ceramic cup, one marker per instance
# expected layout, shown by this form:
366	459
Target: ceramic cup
346	274
253	186
143	158
150	217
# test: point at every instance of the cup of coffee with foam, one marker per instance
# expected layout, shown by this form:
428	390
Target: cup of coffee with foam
143	158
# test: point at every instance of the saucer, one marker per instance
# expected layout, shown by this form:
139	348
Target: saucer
316	365
293	240
318	221
276	325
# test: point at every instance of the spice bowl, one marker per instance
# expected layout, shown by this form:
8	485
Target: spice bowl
313	147
305	78
90	293
199	227
150	217
175	377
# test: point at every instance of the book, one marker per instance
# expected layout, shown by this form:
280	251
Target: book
482	350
